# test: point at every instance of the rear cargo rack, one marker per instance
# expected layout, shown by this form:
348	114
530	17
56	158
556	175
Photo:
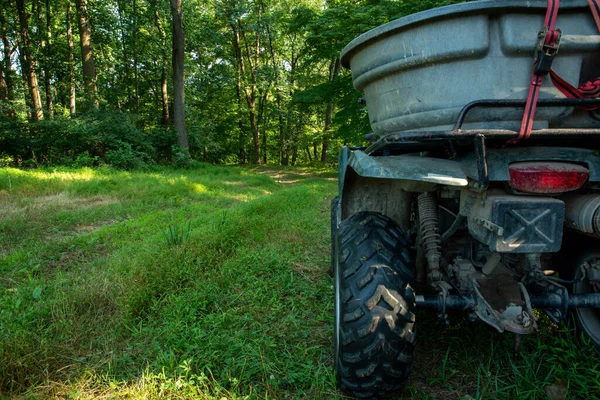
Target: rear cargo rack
457	133
478	137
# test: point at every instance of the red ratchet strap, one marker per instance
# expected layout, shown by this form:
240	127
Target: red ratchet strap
548	42
589	89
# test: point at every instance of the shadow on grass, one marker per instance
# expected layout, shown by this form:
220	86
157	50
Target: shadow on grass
472	359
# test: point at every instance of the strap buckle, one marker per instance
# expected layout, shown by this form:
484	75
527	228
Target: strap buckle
545	50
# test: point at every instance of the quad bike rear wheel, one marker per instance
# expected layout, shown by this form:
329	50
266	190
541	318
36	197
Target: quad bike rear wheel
374	307
587	320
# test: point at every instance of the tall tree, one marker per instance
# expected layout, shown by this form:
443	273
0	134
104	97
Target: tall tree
29	63
334	71
124	73
278	94
46	45
178	74
5	65
247	49
87	52
71	61
3	87
238	92
163	66
136	72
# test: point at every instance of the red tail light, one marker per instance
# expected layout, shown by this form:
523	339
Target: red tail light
547	177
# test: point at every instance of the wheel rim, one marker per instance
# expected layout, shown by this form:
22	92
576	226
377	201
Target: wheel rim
588	318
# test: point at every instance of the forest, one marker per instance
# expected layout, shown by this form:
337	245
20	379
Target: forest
132	83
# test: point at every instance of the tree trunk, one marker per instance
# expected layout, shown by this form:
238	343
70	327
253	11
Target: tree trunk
250	88
29	64
334	70
255	133
3	88
291	140
164	96
26	91
71	60
263	122
308	154
136	74
294	154
4	96
87	53
7	51
278	101
264	147
163	75
178	75
47	72
124	75
242	138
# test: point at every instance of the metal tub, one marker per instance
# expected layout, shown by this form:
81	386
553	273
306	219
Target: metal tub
417	72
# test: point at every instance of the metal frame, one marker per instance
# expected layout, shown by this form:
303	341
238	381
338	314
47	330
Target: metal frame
478	137
458	134
521	104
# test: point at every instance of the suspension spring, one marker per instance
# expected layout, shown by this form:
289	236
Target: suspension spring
430	234
492	262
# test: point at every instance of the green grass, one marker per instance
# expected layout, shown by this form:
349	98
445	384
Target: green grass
212	283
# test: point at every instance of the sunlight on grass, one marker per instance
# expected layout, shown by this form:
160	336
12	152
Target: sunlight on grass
110	285
212	284
150	385
199	188
81	175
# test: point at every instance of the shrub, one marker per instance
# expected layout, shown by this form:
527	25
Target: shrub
85	160
87	140
181	159
127	158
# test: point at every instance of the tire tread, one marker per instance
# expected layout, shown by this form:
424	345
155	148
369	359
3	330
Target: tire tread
375	354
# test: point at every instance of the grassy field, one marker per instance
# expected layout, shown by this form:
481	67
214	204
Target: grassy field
212	283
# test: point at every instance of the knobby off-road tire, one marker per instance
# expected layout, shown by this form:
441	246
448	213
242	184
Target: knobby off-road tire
335	220
587	320
374	319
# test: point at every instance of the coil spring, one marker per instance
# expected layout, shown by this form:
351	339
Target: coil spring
492	262
429	227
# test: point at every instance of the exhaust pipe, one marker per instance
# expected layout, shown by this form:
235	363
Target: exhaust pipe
582	213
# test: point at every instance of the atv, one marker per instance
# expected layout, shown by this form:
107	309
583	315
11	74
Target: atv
481	182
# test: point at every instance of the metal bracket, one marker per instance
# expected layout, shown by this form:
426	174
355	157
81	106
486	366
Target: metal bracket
545	53
483	180
484	311
490	226
523	323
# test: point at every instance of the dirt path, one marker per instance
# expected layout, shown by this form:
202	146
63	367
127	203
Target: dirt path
293	176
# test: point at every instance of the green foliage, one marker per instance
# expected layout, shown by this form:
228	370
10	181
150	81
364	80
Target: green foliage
125	157
176	235
290	73
85	160
94	138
